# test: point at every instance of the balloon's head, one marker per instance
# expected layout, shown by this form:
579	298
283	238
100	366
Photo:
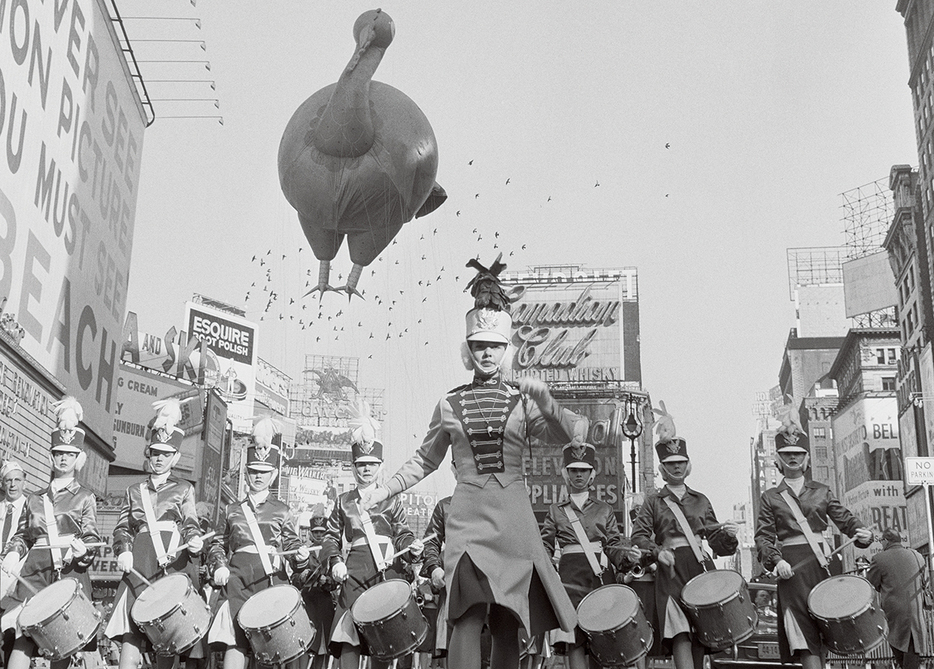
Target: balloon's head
374	28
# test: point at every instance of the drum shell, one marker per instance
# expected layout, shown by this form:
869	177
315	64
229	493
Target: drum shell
70	626
856	632
626	642
396	634
726	621
181	626
284	638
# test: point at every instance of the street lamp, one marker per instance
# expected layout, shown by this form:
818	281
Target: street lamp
632	429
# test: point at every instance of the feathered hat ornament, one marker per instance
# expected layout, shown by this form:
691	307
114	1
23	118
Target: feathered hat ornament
665	424
363	427
577	447
68	413
487	291
790	427
265	430
168	416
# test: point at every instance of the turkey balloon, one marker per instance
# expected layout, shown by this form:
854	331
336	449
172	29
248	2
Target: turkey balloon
358	159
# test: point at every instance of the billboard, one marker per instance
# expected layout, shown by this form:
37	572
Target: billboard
215	431
232	340
73	125
868	284
869	455
572	324
542	467
272	387
137	389
329	388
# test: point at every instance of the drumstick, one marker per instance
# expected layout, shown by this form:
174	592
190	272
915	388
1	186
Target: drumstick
141	577
203	537
22	580
433	535
830	555
96	544
313	549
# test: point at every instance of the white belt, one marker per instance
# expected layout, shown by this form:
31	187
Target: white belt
64	541
380	539
595	546
799	540
161	526
679	542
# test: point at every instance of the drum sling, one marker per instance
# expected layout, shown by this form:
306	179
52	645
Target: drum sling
154	532
261	547
371	540
686	528
584	542
51	529
805	529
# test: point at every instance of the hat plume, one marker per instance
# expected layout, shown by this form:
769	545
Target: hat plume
168	414
363	427
68	413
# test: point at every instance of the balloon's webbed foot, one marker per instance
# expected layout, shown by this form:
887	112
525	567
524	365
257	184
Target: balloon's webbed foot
351	291
322	288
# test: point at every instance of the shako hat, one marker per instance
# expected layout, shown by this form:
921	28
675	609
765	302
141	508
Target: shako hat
67	436
790	437
363	430
164	433
263	454
489	319
672	450
579	453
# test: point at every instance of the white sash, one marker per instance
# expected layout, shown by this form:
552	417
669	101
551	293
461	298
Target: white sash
51	529
582	539
686	529
154	532
805	529
371	540
261	548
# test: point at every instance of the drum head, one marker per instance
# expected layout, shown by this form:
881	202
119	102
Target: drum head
161	597
711	587
381	601
268	606
840	597
51	599
607	608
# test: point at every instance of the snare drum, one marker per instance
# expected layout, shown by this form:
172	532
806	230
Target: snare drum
848	614
389	620
172	615
617	631
275	622
60	619
721	611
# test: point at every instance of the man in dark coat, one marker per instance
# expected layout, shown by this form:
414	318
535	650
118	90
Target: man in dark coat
898	572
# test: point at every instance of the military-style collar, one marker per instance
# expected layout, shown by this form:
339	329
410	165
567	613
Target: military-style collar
666	492
488	382
72	487
170	479
587	502
784	486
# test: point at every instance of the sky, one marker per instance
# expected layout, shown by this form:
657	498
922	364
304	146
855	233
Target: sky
696	141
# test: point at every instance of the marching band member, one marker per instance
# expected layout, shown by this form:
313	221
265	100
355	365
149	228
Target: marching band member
13	483
157	517
317	589
587	532
253	527
372	536
670	526
496	567
64	515
794	514
433	570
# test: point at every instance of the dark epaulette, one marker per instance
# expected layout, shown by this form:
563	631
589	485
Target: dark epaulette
458	389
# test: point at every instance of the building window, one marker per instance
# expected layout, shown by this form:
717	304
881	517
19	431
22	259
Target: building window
819	432
820	452
888	383
880	356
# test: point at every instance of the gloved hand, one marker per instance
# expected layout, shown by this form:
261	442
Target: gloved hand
10	561
125	561
370	497
339	572
864	535
784	570
536	389
666	557
195	544
221	576
437	578
78	548
303	554
416	548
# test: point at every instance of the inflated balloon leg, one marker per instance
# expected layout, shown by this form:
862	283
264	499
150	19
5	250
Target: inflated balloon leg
324	273
355	272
